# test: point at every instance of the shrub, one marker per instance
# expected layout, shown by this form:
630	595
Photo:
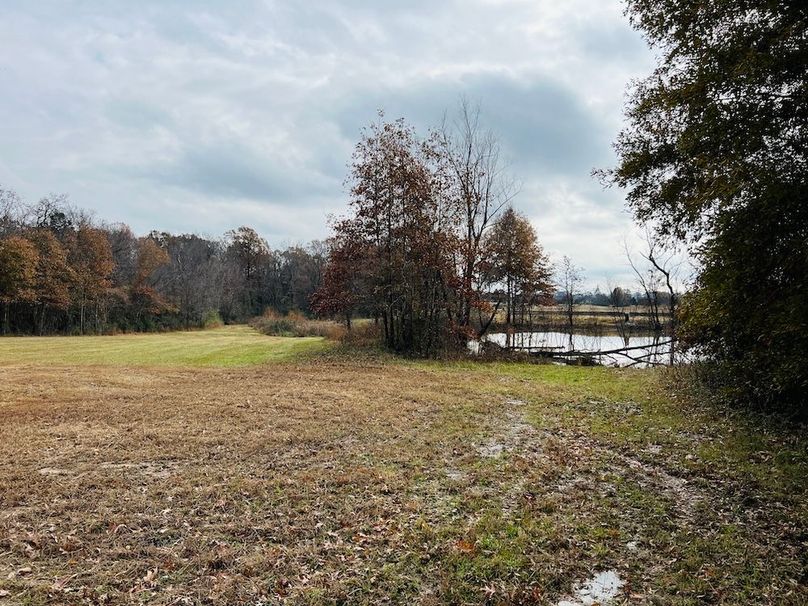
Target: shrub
295	324
212	319
363	333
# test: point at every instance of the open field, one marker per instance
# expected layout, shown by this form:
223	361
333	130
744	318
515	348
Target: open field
226	346
224	467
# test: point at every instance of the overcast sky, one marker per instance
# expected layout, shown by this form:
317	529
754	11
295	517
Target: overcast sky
203	116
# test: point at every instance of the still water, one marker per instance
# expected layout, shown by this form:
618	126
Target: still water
651	349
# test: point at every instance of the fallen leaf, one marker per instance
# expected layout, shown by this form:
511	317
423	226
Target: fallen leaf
465	546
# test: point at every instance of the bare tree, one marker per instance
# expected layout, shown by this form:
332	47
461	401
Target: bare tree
12	211
484	188
570	280
619	299
657	276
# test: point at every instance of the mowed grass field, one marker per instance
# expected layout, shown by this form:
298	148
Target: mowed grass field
225	467
226	346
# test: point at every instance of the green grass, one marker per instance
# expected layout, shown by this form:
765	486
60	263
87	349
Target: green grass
223	347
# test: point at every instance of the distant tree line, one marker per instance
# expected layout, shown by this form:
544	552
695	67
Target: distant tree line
431	248
62	272
616	297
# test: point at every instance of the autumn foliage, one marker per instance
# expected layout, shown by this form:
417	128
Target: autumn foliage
419	251
63	272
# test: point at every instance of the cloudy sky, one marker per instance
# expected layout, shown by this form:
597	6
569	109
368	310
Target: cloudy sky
203	116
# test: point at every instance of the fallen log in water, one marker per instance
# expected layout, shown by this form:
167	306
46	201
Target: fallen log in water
607	352
650	352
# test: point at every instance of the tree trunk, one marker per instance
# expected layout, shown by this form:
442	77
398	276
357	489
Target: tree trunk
42	320
81	313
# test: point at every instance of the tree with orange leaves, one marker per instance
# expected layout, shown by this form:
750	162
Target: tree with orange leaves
18	266
54	276
91	259
518	263
143	296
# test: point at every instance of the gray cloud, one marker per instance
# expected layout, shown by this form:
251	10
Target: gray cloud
544	128
207	115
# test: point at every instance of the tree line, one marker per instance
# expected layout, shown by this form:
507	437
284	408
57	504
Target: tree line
63	272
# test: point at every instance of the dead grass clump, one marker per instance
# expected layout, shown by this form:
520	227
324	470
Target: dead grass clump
363	333
295	324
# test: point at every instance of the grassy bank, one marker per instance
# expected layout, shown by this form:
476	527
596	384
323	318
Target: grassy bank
348	479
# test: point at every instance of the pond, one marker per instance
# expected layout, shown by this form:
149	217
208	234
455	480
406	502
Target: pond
607	350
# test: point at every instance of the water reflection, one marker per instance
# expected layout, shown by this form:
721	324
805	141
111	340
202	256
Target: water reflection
607	350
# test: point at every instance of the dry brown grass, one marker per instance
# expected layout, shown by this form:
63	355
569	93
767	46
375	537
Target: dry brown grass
333	481
231	485
295	324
